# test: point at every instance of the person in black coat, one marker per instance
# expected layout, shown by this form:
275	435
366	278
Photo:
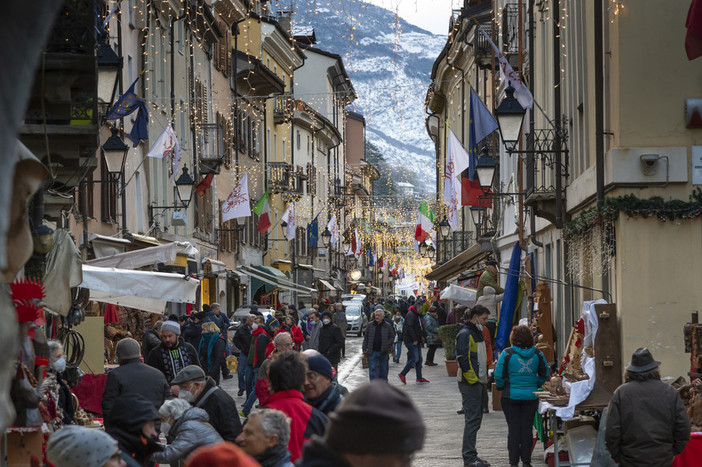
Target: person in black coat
412	334
133	425
173	353
201	391
242	341
330	340
151	339
133	377
192	329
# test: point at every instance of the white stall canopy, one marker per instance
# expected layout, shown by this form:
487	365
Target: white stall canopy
462	295
145	290
146	256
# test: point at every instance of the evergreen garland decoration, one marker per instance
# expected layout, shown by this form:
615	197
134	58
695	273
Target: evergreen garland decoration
633	206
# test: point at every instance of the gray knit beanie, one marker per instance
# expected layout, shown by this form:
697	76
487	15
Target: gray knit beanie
171	326
76	445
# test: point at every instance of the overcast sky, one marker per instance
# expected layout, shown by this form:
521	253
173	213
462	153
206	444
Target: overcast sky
432	15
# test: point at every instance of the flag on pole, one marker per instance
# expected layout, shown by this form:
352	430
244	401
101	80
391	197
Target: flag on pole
127	103
289	218
425	222
204	184
371	257
237	204
380	262
375	259
480	125
263	211
521	92
313	233
457	161
166	145
357	249
334	229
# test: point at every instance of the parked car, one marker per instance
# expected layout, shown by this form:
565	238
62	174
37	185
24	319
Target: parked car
348	297
355	317
240	315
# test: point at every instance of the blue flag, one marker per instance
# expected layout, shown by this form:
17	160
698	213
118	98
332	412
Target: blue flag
370	257
313	233
481	125
126	104
140	128
510	302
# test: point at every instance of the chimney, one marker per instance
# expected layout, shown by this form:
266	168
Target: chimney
285	20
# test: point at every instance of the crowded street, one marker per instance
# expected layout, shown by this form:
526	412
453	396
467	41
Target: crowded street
351	233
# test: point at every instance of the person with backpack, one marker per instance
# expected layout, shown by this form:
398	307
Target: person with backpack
521	370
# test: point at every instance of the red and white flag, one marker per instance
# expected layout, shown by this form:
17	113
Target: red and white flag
521	92
237	204
357	249
457	161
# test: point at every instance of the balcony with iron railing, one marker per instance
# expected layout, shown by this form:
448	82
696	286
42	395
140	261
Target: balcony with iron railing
282	109
210	147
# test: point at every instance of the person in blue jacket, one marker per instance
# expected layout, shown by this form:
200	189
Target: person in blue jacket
521	370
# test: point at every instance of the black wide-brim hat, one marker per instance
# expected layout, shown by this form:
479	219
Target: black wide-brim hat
642	360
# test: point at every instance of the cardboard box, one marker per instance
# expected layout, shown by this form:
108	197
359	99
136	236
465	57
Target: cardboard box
496	398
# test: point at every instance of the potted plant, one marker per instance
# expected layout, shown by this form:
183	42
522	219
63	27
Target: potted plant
447	334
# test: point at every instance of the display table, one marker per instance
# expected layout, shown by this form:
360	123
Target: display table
692	453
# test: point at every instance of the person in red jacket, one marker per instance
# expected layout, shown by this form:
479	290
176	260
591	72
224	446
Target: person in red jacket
287	375
294	330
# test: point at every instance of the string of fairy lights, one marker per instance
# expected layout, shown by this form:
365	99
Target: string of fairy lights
154	15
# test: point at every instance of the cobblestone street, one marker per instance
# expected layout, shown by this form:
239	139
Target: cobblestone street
438	401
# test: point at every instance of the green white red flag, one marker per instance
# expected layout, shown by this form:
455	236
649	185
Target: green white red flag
425	222
263	211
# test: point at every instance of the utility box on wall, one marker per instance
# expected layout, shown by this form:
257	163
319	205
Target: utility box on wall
646	165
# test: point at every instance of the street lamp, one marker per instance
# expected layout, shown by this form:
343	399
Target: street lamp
185	185
431	251
510	115
326	237
485	170
109	64
423	249
476	213
115	152
444	228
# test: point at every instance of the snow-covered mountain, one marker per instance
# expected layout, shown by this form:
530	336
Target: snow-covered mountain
389	61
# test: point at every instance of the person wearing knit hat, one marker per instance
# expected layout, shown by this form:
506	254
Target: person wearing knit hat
319	389
171	326
76	445
376	422
133	425
220	455
173	354
133	377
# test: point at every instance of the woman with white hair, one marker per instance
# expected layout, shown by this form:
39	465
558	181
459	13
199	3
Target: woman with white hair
57	397
265	438
186	428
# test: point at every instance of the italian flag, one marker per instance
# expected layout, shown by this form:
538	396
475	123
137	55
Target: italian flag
425	222
263	211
